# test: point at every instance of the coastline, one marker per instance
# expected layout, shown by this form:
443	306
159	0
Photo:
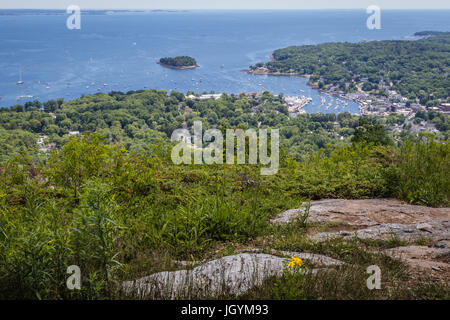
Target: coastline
307	76
268	73
177	67
380	99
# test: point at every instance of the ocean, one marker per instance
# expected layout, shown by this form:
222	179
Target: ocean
118	50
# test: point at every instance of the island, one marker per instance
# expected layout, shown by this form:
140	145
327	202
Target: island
180	62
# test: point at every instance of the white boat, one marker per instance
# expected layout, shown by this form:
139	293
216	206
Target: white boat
23	97
20	78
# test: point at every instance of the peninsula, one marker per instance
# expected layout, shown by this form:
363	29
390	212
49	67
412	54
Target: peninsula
383	77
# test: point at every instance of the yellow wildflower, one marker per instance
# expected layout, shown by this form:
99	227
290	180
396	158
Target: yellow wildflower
295	261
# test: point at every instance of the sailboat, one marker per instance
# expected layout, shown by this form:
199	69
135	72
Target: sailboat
20	78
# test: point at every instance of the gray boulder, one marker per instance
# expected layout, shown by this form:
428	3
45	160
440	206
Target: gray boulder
228	275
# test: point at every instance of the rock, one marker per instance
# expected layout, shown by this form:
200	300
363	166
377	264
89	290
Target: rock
414	251
232	275
437	230
375	219
421	257
384	219
287	216
365	213
443	244
315	258
425	227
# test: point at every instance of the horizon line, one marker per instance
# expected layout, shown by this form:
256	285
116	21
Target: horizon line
229	9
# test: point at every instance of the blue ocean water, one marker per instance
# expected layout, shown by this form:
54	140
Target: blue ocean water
118	51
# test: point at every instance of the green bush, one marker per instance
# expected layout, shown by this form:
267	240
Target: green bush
424	173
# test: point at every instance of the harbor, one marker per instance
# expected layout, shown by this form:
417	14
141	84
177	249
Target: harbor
296	104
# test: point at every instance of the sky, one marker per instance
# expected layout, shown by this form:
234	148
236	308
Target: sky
224	4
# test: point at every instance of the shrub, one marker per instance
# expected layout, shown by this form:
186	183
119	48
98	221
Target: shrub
423	173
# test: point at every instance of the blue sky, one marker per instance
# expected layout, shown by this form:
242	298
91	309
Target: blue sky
225	4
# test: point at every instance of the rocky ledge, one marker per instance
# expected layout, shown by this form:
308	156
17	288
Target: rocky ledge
365	213
377	219
384	219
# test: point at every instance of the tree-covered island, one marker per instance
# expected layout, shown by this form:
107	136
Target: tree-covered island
180	62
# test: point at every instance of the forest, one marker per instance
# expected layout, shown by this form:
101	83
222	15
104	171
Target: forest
138	119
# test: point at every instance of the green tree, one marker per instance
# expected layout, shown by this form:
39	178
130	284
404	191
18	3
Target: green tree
371	133
80	159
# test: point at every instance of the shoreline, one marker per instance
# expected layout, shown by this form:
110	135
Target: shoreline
268	73
177	67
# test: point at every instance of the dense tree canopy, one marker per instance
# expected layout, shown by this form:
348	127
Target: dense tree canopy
180	61
138	119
